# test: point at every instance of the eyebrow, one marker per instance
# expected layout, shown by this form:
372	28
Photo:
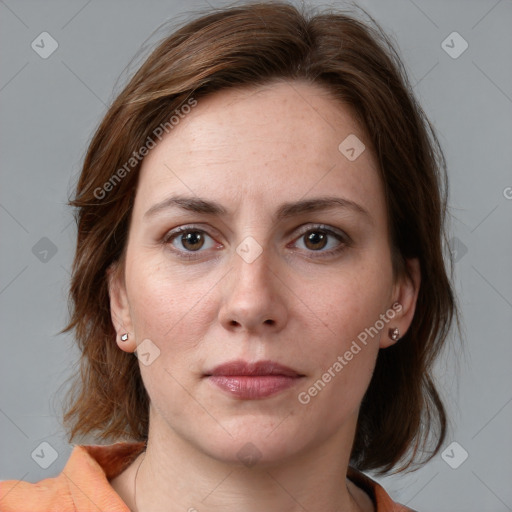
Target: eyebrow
286	210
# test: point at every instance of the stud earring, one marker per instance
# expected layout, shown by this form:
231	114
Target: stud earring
394	333
124	337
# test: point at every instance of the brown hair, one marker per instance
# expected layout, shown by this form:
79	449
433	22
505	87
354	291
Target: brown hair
246	46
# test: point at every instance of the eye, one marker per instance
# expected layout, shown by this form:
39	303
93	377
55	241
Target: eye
189	240
322	240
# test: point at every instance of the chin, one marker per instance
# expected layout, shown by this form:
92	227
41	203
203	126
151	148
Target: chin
250	452
254	443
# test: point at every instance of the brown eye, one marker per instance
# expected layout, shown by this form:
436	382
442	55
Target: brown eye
315	240
192	240
189	240
322	241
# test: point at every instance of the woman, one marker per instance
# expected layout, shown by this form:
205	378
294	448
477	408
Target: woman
260	221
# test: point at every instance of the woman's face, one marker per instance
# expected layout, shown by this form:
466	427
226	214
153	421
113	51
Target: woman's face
283	256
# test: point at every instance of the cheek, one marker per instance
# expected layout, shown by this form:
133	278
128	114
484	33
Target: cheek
351	310
167	304
174	313
350	300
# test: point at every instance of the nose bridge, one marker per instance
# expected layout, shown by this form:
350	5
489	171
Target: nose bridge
251	266
252	301
251	281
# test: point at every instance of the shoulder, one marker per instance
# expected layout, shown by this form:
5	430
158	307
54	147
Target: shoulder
381	499
17	496
82	485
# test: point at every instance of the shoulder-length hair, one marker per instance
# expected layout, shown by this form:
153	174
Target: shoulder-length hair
401	414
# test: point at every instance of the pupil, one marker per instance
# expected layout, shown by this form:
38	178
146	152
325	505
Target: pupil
192	239
316	238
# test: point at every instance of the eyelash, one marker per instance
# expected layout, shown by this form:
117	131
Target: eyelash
344	240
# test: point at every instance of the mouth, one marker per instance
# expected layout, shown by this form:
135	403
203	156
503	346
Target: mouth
252	381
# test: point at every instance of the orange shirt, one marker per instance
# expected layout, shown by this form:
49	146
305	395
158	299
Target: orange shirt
83	485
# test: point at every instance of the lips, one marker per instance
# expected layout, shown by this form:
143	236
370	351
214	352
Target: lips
243	368
250	381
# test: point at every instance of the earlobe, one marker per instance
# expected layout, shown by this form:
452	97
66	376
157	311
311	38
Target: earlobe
405	294
119	310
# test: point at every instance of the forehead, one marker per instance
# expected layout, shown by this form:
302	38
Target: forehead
281	140
279	113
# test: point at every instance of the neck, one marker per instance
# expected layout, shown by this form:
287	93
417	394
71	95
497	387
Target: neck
172	475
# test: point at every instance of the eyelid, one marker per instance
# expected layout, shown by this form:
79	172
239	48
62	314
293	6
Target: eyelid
190	227
311	226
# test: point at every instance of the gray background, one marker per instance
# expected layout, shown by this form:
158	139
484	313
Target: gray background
49	109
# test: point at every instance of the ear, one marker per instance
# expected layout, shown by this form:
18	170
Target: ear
120	308
405	295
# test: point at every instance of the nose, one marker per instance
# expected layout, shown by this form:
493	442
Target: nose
254	297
